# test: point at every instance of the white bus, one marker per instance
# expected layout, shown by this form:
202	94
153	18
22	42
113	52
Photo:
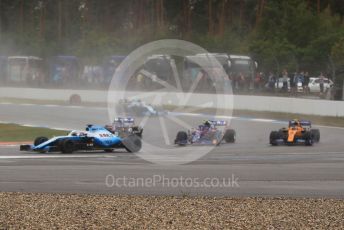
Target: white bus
233	65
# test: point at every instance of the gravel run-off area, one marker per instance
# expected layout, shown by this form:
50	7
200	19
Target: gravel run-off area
68	211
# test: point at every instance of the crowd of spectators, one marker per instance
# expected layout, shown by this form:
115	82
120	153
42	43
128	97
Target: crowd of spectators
65	71
285	82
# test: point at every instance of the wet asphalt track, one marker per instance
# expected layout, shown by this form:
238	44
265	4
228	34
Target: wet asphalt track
258	169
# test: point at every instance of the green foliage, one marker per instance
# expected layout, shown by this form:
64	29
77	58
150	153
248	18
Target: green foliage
290	34
337	55
13	132
338	52
231	42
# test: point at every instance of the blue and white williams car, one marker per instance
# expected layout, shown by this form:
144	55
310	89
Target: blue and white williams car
94	138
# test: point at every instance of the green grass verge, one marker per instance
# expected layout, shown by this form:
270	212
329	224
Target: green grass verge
17	133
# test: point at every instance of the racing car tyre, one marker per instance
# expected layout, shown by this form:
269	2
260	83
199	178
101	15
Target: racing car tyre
132	143
230	136
274	136
308	138
67	146
182	137
39	140
316	134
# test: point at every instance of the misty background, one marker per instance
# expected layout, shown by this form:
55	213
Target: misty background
297	35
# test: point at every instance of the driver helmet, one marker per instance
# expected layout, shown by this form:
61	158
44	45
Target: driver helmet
74	133
294	122
206	123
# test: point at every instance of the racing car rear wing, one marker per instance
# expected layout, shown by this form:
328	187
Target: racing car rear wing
125	119
303	123
218	122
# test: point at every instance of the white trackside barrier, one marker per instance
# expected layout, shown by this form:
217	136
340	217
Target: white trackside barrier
239	102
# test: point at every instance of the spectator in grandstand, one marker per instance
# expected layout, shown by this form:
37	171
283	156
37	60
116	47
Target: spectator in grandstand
295	80
295	77
258	81
285	80
306	82
321	82
263	80
291	78
271	81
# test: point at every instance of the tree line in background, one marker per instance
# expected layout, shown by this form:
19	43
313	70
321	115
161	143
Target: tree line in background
293	34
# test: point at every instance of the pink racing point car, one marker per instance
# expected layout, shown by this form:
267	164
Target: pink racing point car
211	132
